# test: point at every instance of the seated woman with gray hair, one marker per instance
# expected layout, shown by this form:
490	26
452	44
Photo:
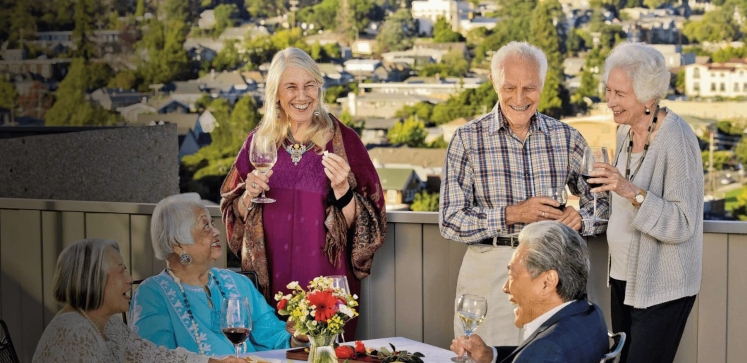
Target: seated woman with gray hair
181	306
93	283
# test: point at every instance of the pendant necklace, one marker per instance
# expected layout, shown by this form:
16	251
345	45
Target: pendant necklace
651	126
296	149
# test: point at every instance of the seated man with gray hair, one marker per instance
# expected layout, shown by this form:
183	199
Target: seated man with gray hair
547	282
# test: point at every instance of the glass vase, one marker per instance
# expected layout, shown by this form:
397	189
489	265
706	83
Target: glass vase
321	349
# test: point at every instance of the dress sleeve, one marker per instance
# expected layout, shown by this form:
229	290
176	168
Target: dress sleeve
69	340
149	316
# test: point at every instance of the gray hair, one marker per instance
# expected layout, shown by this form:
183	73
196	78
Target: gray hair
645	67
551	245
80	275
522	50
172	222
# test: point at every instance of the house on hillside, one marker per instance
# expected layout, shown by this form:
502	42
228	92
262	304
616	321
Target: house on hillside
113	98
400	187
375	130
334	74
185	92
425	162
193	129
228	85
728	79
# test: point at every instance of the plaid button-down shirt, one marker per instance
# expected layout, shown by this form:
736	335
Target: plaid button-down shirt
488	167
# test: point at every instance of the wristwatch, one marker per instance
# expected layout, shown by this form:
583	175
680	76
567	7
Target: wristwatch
639	198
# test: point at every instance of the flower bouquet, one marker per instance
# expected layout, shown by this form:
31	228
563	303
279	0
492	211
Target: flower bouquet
320	312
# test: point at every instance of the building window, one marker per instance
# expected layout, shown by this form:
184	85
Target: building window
736	87
744	87
696	86
391	196
696	73
722	87
713	87
722	74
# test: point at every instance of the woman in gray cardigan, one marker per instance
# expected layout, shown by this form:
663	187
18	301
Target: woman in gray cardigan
655	230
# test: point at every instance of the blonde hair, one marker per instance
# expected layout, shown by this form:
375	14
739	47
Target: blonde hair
80	275
276	127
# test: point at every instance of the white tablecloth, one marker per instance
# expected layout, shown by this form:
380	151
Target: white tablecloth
432	353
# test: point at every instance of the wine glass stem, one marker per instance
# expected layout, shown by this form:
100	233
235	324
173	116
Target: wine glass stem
594	216
236	346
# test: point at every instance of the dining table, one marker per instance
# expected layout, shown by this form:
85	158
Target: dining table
432	354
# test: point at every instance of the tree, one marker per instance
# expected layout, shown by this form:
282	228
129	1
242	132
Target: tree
8	94
438	143
425	202
229	57
140	8
22	22
397	32
442	32
84	47
224	14
166	58
725	54
469	103
71	107
741	151
410	132
716	25
544	35
264	8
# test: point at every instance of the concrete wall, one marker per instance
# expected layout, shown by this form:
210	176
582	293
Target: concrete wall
131	164
714	110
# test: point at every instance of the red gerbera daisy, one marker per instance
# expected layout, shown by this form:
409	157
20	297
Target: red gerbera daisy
326	305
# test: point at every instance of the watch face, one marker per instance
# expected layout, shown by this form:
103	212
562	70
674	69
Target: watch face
639	198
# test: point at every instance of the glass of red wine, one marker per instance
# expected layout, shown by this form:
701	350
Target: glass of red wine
557	193
593	154
236	321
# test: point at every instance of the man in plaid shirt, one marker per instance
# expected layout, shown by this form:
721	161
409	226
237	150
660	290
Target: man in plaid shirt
495	171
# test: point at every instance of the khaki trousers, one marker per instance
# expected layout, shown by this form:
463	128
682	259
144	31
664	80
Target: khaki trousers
484	273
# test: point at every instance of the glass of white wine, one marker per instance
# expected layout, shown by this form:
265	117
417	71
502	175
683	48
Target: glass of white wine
471	310
263	153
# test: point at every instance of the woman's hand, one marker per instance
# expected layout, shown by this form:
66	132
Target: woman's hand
337	170
612	180
256	182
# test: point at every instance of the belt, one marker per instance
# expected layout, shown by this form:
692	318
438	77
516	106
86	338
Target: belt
512	241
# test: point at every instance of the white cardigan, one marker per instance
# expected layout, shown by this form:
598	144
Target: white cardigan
666	255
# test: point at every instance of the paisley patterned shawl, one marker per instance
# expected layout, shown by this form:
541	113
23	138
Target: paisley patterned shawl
363	238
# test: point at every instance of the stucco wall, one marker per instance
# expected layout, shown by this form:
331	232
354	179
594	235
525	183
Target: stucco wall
132	164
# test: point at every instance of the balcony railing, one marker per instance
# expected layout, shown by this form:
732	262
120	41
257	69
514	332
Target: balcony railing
410	292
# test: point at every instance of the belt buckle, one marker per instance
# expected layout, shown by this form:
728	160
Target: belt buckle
514	238
495	241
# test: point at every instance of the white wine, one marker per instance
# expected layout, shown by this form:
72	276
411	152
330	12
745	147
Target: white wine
470	321
263	167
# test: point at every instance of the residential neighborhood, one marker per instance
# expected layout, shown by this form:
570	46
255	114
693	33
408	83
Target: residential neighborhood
405	74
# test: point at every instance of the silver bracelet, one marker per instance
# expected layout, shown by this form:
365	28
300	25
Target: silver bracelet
241	203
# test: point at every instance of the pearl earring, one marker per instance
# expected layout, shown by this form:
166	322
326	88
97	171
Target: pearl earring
648	112
316	113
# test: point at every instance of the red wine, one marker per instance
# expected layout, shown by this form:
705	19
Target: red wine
586	179
561	207
236	335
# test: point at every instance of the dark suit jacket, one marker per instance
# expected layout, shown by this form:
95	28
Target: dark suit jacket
575	334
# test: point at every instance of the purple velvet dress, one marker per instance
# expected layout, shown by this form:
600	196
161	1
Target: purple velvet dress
294	224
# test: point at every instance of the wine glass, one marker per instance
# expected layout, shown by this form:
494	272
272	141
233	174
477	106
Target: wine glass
236	321
263	153
557	193
471	310
341	282
593	154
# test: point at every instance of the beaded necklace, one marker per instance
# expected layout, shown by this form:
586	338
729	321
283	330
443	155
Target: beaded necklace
193	327
92	323
296	149
630	147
